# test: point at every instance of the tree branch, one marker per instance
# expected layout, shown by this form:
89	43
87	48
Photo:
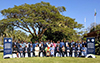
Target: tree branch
21	28
34	30
42	32
29	30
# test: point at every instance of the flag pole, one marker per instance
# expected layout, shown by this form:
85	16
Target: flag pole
85	22
95	19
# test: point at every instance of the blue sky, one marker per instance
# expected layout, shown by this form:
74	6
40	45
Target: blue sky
78	9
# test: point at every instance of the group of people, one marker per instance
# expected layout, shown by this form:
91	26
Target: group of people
49	49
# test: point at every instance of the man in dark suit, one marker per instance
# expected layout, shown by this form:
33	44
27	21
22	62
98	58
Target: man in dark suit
15	51
68	51
14	43
45	45
18	44
31	51
57	50
78	51
30	44
73	51
42	48
67	44
26	51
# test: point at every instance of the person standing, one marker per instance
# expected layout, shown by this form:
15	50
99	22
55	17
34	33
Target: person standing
40	44
22	44
45	45
85	43
30	44
61	44
34	45
76	44
49	44
81	44
72	42
54	44
67	43
18	44
58	43
14	43
27	44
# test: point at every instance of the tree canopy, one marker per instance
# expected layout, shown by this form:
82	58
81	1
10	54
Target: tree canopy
39	17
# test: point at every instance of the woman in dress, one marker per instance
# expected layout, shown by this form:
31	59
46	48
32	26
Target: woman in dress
37	51
47	49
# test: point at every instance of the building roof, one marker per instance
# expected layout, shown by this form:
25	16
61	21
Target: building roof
93	34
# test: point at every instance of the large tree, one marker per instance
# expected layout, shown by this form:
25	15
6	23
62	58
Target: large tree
37	18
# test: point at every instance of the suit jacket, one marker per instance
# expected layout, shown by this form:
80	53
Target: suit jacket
68	44
73	49
14	43
45	45
42	48
79	49
25	49
18	45
67	48
15	49
20	49
56	49
30	49
30	45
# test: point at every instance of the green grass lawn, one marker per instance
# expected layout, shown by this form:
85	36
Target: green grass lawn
50	60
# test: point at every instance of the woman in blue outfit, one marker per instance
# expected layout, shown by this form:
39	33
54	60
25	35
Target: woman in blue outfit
84	51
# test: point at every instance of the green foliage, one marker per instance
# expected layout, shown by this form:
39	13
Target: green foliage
43	38
92	28
55	36
97	47
1	47
39	16
16	35
84	39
